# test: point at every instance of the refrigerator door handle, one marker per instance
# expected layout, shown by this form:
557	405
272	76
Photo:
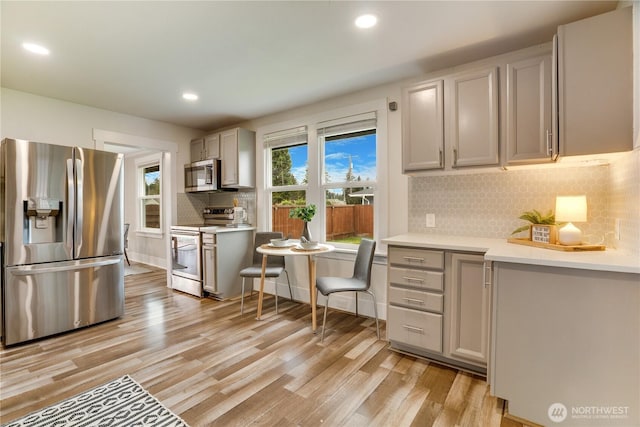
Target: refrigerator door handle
71	206
80	207
75	265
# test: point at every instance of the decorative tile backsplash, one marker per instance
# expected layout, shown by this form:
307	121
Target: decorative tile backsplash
488	204
190	205
625	200
190	208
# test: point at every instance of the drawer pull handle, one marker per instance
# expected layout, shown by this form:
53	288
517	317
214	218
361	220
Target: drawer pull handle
414	301
413	259
413	328
413	279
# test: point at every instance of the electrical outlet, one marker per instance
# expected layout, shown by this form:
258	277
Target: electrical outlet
431	220
616	228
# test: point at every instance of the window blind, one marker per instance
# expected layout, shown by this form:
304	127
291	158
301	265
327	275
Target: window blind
287	137
345	125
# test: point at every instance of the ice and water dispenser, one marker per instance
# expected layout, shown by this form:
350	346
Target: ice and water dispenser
43	222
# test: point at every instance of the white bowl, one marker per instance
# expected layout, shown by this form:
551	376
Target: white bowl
311	244
279	242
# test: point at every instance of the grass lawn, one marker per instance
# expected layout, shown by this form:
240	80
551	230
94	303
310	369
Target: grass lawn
354	240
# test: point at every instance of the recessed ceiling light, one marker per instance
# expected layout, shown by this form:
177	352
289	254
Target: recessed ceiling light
366	21
36	48
190	96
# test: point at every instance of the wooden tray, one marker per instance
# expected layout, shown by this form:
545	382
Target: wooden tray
572	248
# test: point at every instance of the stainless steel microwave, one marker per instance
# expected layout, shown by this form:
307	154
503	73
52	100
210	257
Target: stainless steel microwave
202	176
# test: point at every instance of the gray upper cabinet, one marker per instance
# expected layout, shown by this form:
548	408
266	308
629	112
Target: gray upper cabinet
473	118
197	150
595	84
205	148
212	146
451	122
529	133
238	158
423	126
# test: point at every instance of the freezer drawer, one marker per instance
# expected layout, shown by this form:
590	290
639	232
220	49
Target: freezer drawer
46	299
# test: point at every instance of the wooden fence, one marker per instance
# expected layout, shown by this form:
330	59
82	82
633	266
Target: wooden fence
342	221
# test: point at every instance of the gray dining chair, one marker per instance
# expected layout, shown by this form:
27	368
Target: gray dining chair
275	265
359	282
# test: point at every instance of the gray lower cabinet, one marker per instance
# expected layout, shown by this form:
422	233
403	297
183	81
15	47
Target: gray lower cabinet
566	336
469	309
224	254
439	306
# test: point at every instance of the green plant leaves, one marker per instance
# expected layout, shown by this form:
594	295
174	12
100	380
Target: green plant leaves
304	213
535	217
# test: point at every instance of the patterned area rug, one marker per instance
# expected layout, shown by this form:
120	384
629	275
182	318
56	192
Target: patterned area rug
122	402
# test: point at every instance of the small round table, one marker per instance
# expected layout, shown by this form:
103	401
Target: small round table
294	250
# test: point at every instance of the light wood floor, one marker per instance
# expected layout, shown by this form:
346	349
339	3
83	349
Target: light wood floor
211	366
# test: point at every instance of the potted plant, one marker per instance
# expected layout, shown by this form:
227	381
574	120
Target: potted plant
305	213
542	228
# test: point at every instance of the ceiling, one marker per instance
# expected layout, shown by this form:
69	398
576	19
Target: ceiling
250	59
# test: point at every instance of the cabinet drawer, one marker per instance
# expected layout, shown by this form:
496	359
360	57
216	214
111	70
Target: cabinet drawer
416	299
208	238
416	258
415	328
422	279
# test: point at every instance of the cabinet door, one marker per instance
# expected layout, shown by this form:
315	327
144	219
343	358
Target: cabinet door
197	150
423	127
469	309
212	146
473	118
529	127
595	84
209	272
229	156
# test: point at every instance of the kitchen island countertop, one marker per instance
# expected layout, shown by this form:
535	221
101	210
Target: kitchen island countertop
502	251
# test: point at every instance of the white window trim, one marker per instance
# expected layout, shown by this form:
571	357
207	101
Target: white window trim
141	162
315	190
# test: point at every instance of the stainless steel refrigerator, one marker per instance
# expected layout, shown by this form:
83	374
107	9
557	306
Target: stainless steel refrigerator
61	228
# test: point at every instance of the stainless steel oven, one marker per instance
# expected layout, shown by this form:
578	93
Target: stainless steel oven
186	265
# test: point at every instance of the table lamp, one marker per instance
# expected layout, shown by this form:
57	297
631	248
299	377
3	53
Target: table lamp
570	208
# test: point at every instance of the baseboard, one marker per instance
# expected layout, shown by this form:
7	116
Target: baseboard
146	259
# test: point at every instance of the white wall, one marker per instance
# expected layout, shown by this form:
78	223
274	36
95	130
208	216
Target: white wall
37	118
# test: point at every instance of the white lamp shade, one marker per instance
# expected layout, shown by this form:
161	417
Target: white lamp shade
571	208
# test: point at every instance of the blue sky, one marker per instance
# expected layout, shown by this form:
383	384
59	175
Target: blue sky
362	150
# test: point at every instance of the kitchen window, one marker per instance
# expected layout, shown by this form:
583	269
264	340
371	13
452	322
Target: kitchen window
288	177
149	184
339	168
349	160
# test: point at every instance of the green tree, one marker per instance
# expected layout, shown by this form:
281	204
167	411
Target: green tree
281	168
281	174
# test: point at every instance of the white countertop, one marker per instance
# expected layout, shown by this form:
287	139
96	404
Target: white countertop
502	251
222	229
